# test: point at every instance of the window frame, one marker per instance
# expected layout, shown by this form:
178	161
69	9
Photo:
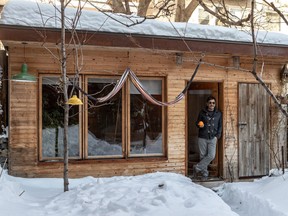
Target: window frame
86	120
80	132
125	115
164	131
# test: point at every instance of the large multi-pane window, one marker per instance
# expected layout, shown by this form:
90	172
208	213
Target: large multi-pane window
127	125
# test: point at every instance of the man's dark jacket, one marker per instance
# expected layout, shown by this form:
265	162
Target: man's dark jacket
212	124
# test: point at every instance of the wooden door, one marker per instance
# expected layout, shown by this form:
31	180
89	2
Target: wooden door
253	128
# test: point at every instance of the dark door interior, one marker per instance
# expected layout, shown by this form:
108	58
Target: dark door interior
197	95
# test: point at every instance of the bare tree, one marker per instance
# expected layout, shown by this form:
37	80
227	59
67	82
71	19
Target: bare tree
68	48
65	94
181	9
141	7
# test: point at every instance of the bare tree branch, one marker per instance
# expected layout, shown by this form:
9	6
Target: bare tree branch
225	18
277	11
254	70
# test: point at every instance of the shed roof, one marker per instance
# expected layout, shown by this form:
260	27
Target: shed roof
31	20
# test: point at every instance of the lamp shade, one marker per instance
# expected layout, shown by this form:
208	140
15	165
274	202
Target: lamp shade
24	76
74	100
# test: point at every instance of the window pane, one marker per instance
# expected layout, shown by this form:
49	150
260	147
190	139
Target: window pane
203	17
219	10
273	22
104	120
146	120
52	121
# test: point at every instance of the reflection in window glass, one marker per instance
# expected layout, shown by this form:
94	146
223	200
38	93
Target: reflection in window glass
104	120
52	122
146	120
273	22
219	10
203	17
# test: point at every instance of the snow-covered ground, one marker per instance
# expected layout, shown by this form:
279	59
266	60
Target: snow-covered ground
264	197
166	194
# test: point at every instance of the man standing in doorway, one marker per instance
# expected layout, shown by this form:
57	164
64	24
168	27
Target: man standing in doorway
209	123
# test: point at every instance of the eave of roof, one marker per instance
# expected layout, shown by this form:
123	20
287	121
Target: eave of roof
132	41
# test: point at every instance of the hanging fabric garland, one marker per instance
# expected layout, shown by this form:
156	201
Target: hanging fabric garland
149	97
116	88
136	82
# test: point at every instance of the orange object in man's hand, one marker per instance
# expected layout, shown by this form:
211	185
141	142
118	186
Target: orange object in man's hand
201	124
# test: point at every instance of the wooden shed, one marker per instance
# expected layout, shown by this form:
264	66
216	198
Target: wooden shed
129	135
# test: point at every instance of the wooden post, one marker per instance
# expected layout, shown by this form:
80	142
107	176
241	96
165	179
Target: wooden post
283	159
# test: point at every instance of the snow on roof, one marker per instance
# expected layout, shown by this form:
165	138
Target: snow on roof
36	14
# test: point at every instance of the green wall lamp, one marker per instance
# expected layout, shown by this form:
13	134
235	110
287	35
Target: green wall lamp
24	76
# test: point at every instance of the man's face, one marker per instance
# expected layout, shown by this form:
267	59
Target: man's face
211	104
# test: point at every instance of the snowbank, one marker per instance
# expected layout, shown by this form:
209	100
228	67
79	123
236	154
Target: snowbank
153	194
264	197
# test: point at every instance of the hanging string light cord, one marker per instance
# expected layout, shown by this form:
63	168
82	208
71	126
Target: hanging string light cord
136	82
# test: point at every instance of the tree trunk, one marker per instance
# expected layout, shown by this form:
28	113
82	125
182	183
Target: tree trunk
127	6
183	14
189	10
143	7
117	6
180	7
65	94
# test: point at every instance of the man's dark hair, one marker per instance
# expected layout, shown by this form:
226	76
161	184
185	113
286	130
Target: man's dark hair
210	98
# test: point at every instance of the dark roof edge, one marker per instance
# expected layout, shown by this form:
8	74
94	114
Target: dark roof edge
112	39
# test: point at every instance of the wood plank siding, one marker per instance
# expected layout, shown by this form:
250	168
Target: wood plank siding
24	105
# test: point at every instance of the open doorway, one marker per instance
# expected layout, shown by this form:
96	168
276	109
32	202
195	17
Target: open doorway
197	95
